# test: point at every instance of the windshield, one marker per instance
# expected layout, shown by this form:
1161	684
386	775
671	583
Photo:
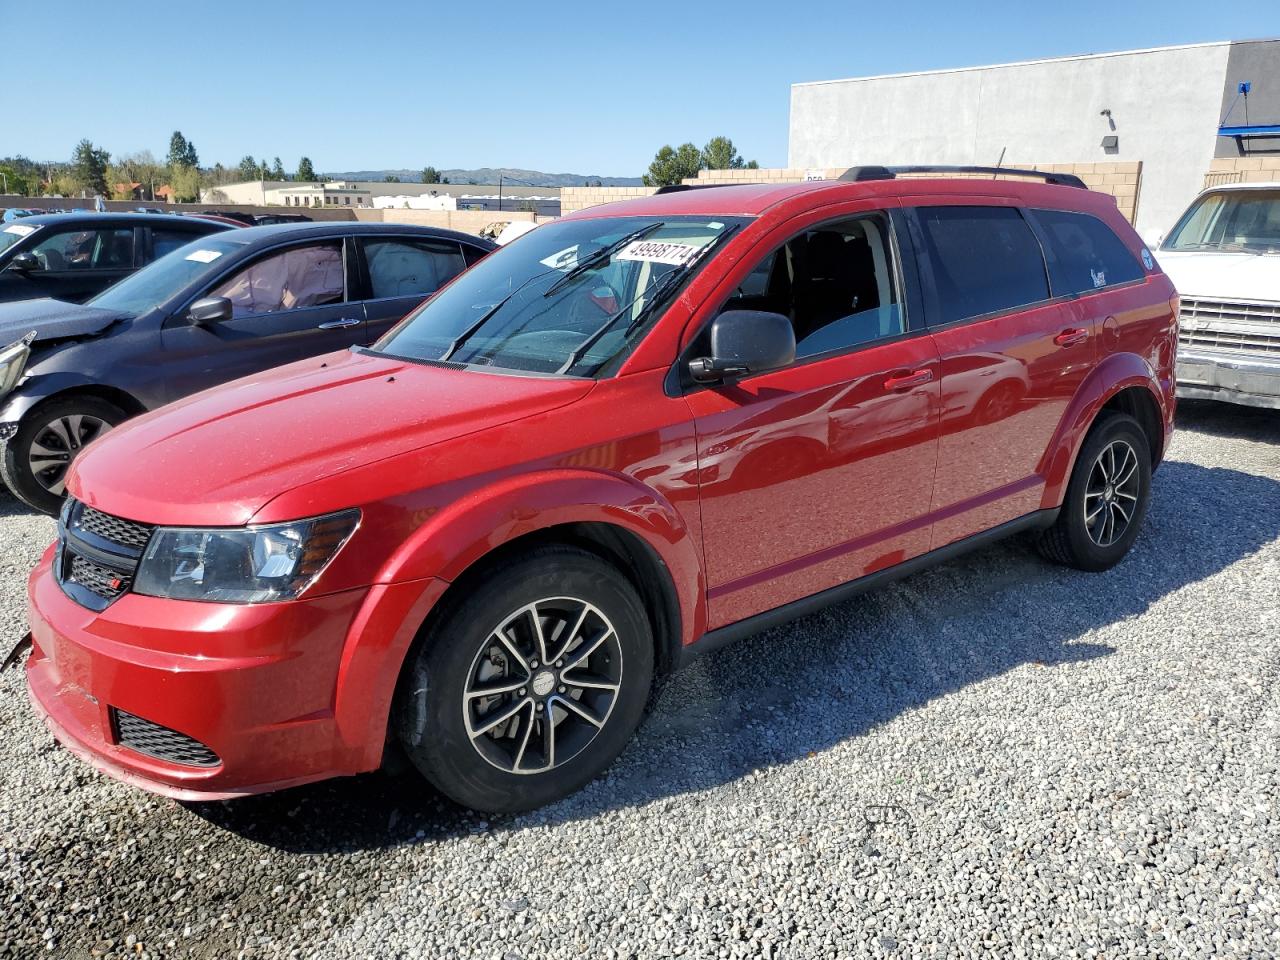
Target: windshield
1231	220
158	281
565	298
14	232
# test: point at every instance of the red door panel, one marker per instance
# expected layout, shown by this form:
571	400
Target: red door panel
1006	383
816	474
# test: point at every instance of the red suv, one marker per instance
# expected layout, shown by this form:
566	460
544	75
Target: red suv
627	438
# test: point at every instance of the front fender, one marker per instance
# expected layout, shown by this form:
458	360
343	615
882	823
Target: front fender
416	576
1117	372
38	388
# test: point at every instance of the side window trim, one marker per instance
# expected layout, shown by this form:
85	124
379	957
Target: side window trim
905	276
928	280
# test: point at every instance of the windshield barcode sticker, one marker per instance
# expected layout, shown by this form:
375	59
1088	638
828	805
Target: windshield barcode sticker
204	256
657	251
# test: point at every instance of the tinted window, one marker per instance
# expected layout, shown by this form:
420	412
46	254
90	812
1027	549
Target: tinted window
1084	254
473	254
984	259
86	250
300	277
403	268
167	241
836	283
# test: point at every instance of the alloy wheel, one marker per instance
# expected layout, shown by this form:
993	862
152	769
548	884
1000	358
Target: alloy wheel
543	685
1111	494
57	444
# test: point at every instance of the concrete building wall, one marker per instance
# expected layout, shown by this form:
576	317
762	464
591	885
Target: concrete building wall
1256	62
1164	107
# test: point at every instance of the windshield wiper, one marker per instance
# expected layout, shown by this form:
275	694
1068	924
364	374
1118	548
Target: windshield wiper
665	286
604	253
485	317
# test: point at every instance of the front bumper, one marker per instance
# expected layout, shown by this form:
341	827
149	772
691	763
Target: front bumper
256	684
1249	380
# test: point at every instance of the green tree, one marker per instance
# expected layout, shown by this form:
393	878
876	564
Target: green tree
389	178
264	172
89	167
721	154
248	167
430	175
670	166
184	180
277	170
179	150
306	172
16	182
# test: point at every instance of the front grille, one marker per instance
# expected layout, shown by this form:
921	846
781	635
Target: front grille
1229	326
161	742
127	533
100	581
98	554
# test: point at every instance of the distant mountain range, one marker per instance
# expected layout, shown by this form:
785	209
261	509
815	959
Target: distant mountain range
490	175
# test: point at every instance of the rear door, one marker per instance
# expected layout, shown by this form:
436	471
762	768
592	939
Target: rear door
399	273
74	263
1013	355
288	303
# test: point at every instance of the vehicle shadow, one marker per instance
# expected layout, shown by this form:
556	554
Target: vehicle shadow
831	677
1229	420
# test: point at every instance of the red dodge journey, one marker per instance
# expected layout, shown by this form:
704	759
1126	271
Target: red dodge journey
630	436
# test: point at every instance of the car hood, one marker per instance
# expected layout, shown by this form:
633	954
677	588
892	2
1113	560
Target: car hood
53	320
1223	276
218	457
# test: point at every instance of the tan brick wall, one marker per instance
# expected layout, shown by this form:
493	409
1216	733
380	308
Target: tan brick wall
1121	180
576	198
1243	170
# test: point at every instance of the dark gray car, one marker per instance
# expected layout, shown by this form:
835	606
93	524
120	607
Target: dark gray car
73	256
223	307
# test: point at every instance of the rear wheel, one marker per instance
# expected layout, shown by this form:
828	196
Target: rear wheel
1106	498
36	458
530	685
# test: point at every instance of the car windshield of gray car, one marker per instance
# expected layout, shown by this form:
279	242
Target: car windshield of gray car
158	281
564	299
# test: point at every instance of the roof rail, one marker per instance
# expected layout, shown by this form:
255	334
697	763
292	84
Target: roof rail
860	174
682	187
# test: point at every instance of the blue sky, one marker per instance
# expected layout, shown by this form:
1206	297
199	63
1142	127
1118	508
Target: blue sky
582	88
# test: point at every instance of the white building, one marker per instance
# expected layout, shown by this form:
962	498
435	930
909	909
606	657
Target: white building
1162	107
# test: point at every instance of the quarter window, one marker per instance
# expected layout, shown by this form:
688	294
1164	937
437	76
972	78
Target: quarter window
835	283
403	268
167	241
1085	255
985	260
302	277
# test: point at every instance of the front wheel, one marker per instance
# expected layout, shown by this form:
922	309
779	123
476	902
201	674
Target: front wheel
37	457
1106	498
529	685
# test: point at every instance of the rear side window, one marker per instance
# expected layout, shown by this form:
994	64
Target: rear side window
402	268
985	260
1084	254
166	241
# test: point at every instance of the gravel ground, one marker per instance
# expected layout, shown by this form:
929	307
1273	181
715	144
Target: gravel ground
995	757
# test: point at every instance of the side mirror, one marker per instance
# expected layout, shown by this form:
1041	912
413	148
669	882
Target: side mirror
745	342
25	262
210	310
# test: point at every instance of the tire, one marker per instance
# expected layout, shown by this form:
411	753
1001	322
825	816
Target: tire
497	753
57	428
1091	532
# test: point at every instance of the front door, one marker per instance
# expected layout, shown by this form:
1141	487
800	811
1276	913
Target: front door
287	305
821	472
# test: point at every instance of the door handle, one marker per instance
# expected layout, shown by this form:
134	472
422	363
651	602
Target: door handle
337	324
905	381
1071	336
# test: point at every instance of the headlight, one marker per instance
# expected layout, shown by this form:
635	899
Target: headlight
13	360
249	565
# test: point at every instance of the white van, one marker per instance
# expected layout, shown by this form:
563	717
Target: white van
1224	258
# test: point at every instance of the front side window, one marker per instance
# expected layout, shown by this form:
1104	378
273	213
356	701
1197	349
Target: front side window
309	276
403	268
985	260
86	250
1230	220
835	283
1086	254
568	298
